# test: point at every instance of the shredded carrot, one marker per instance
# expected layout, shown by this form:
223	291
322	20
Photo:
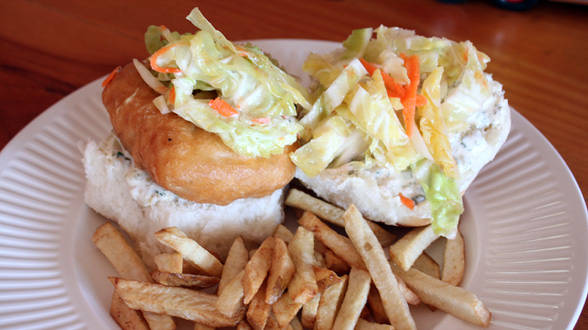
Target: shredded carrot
393	89
111	76
421	101
163	27
153	60
262	120
406	201
222	107
171	98
242	51
409	100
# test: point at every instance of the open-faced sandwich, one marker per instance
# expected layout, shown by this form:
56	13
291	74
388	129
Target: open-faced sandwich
202	132
400	126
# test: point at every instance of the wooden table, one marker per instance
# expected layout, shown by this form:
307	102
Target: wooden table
50	48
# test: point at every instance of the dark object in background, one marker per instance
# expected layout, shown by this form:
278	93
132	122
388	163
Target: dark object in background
516	4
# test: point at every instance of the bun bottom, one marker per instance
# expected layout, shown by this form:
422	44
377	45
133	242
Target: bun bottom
121	192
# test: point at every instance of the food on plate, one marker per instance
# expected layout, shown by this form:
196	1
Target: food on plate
354	300
454	260
407	249
400	126
428	265
202	132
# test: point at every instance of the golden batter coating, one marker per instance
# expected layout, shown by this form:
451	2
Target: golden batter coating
189	161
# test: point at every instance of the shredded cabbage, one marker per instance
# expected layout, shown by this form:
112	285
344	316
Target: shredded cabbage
242	76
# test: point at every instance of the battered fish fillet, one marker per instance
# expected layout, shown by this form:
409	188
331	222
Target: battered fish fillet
189	161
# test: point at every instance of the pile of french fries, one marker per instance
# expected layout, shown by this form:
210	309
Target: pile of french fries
314	278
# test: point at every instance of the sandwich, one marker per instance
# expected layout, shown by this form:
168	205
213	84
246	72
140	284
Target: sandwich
202	130
400	126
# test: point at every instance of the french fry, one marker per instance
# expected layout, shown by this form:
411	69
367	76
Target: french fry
309	310
281	272
190	250
329	304
198	326
452	299
180	302
373	255
169	262
283	233
243	325
272	323
251	253
126	318
318	260
295	324
355	299
230	300
332	214
258	311
339	244
375	303
325	277
319	247
427	265
407	249
362	324
454	260
186	280
129	265
335	263
407	293
236	261
285	309
301	248
257	269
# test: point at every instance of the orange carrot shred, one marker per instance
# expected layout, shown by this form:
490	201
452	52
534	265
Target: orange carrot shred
406	201
409	100
171	98
153	60
111	76
163	27
222	107
393	89
421	101
262	120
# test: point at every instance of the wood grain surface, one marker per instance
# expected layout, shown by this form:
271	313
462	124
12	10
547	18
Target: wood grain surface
50	48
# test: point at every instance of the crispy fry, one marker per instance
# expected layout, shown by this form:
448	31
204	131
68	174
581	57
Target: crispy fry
329	304
427	265
454	260
230	301
407	249
125	317
129	265
190	250
407	293
243	325
355	299
375	303
283	233
454	300
339	244
295	324
281	272
285	309
319	247
236	261
180	302
318	259
251	253
303	287
373	255
257	269
362	324
332	214
169	262
309	310
258	310
335	263
325	277
272	323
186	280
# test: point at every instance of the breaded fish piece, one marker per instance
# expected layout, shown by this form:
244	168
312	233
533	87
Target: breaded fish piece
189	161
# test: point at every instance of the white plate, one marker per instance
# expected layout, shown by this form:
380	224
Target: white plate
525	225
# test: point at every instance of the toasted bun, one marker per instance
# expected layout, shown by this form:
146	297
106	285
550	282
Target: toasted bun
121	192
375	191
181	157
